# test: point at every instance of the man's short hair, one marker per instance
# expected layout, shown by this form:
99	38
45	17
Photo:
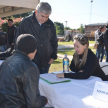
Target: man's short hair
10	20
44	7
101	27
107	25
26	43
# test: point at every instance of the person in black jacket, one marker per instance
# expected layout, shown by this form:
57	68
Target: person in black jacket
41	27
19	77
84	62
7	53
11	32
100	48
3	40
103	39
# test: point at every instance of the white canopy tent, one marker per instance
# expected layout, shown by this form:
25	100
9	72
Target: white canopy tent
13	7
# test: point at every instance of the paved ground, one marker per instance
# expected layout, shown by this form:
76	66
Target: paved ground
68	46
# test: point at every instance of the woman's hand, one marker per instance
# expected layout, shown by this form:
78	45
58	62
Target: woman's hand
60	75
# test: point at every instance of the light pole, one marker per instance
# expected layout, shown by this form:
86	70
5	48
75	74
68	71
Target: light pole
91	10
66	23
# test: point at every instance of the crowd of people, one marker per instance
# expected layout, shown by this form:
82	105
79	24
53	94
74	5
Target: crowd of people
101	38
31	49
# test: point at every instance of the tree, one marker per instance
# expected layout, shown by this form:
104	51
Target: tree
67	28
81	28
18	15
59	28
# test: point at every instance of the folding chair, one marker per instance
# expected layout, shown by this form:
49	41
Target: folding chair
104	66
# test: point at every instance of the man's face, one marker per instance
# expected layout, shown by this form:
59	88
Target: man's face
103	29
10	23
41	17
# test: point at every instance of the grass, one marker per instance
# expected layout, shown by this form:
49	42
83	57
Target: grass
71	43
65	43
66	49
57	65
66	52
91	42
71	51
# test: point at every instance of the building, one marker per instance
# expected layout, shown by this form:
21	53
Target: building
71	32
13	7
92	27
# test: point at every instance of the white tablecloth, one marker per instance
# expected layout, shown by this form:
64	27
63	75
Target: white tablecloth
74	94
1	61
104	66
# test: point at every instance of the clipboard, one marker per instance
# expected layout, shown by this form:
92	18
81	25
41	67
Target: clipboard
52	79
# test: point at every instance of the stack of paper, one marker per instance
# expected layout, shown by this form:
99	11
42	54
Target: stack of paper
53	79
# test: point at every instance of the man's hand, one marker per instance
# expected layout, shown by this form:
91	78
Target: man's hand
81	71
47	101
51	61
12	44
60	75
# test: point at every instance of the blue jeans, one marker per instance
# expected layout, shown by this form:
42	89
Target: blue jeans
100	53
3	48
106	54
44	70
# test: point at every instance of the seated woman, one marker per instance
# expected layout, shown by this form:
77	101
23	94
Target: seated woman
84	62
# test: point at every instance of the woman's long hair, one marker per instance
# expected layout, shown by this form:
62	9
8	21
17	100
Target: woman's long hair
83	40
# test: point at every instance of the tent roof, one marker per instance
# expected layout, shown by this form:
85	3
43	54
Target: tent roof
13	7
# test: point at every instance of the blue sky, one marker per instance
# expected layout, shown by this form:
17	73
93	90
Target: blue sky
77	12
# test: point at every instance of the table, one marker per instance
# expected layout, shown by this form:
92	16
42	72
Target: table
1	61
104	66
74	94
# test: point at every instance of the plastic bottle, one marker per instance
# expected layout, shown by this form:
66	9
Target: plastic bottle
65	64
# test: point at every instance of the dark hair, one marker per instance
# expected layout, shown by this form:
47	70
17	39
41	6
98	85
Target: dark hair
101	27
107	25
10	20
26	43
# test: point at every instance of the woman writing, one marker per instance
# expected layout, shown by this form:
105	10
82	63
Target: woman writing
84	62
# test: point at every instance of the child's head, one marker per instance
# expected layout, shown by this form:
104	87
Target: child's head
27	43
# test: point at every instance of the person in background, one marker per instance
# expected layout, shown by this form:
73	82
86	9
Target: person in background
43	29
11	32
100	48
84	62
96	34
19	77
7	53
3	40
103	39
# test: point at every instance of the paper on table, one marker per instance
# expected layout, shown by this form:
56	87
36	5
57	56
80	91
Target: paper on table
62	72
52	79
57	72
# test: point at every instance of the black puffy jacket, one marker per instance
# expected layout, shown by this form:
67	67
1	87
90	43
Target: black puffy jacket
103	38
11	34
19	78
46	37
